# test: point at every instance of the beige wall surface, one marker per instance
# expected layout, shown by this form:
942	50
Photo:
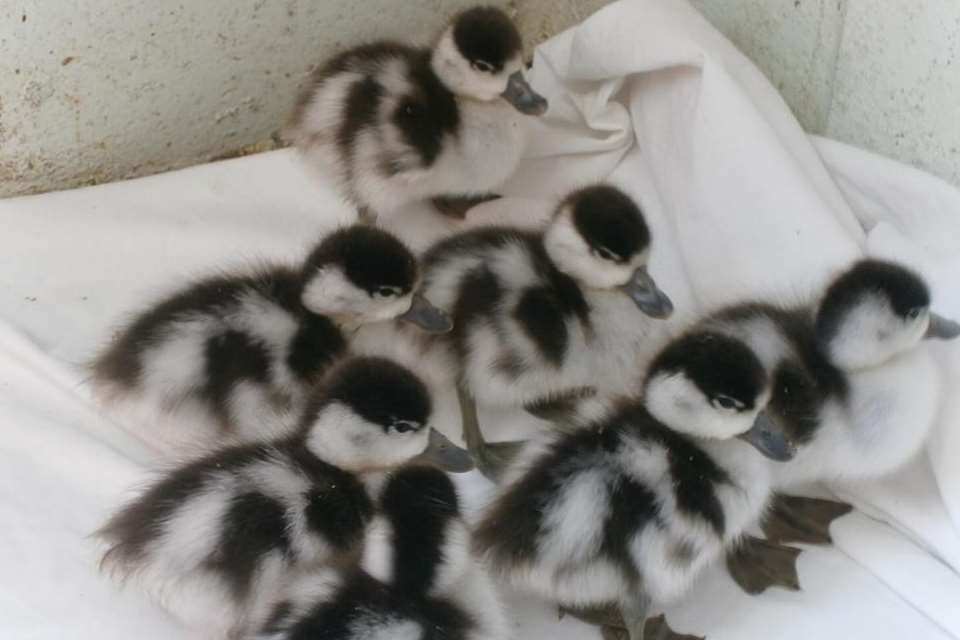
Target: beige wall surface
880	74
106	89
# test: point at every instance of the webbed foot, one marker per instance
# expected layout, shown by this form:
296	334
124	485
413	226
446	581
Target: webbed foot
758	564
560	407
456	206
799	519
608	616
657	628
493	458
613	626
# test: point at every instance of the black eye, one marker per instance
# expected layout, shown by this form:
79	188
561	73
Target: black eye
914	313
725	402
482	65
606	254
386	292
403	426
411	110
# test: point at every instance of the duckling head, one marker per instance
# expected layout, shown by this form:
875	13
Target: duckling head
362	274
712	386
598	237
372	414
480	56
875	311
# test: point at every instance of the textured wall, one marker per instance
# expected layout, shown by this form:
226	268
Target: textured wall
881	74
98	90
104	89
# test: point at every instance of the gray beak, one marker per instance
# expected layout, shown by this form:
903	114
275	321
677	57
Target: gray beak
521	95
768	438
442	453
645	294
942	328
426	316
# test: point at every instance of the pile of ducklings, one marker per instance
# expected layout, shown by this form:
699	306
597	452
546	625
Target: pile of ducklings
314	503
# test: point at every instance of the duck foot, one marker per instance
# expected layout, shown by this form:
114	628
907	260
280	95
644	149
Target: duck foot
804	520
493	458
457	206
599	615
757	564
560	407
612	626
657	628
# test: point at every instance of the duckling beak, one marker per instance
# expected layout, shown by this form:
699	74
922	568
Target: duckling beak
647	296
426	316
521	95
442	453
768	438
942	328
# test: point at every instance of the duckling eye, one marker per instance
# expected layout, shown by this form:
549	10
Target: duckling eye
725	402
605	254
914	313
482	66
403	426
386	292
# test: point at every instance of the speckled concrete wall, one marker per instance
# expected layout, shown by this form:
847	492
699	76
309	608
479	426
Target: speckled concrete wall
104	89
881	74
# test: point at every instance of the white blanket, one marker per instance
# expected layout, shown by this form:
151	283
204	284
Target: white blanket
646	94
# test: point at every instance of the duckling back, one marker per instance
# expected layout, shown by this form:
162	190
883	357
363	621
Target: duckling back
417	578
633	506
213	540
226	359
233	358
628	507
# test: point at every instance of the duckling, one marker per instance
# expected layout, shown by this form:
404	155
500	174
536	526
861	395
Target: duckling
417	578
630	509
232	358
869	328
214	540
866	410
392	124
544	319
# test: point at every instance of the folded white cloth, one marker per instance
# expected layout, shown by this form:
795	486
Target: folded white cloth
644	93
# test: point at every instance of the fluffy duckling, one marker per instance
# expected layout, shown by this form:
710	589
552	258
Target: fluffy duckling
876	386
232	358
631	509
393	124
417	579
865	410
215	539
869	328
544	319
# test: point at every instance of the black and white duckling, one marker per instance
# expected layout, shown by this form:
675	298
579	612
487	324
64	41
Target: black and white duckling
417	580
630	509
232	358
869	328
865	410
545	318
214	540
393	124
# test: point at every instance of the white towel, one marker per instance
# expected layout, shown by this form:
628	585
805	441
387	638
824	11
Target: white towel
644	93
